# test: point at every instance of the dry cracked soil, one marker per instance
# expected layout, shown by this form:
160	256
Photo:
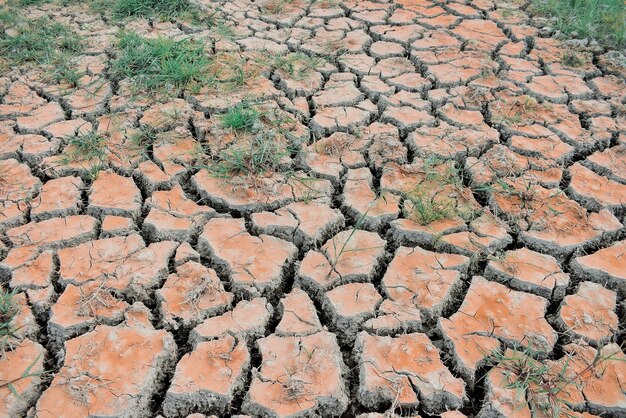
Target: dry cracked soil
438	231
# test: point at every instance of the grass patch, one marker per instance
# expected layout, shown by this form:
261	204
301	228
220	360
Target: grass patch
160	63
426	208
602	20
297	65
263	154
39	41
572	59
162	9
544	386
86	147
8	311
241	117
440	195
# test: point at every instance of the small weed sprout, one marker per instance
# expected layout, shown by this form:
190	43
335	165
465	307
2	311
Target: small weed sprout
439	195
275	7
143	137
85	147
522	109
426	208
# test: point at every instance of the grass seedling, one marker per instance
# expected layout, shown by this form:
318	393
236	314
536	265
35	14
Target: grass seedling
143	137
160	63
275	7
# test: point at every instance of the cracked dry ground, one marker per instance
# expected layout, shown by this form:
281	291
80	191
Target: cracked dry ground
453	189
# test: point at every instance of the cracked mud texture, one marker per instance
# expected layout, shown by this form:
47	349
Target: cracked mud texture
444	186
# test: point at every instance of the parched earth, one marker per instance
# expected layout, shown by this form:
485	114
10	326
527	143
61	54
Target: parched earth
454	187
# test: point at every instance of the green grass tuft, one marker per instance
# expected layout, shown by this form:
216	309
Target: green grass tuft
426	208
160	63
602	20
241	117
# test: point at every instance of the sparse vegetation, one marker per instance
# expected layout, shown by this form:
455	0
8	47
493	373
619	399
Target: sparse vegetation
143	137
572	59
8	311
276	7
263	154
160	63
85	147
297	65
541	385
602	20
40	41
439	195
521	110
